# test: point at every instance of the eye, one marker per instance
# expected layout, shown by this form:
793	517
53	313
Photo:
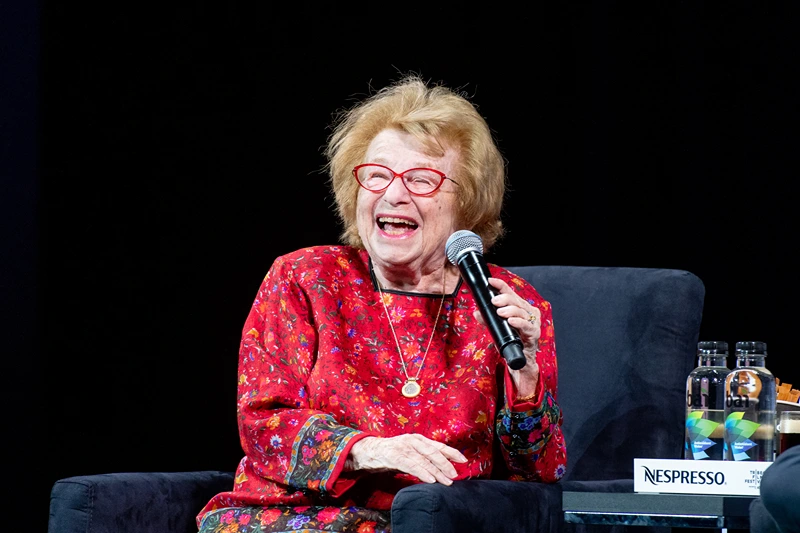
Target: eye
423	179
378	174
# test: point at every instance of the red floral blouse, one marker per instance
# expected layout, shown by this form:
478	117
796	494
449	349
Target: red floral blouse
319	370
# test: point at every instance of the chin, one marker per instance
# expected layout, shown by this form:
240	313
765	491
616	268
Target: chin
396	252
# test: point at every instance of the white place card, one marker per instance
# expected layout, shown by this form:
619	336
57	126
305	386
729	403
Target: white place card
681	476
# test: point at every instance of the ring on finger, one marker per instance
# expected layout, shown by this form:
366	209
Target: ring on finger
531	318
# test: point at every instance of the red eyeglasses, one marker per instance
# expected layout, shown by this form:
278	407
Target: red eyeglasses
418	181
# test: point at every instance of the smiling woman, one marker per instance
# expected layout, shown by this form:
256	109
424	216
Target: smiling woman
366	367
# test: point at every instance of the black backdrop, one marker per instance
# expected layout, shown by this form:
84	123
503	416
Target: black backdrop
178	152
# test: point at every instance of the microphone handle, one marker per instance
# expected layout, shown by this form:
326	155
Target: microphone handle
475	272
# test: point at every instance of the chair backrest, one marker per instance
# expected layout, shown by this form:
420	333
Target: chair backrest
626	340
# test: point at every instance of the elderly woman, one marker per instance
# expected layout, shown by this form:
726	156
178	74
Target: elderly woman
366	367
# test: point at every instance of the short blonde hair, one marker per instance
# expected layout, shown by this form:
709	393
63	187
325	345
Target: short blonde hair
437	116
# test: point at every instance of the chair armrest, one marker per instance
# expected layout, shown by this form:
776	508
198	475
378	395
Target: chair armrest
137	502
479	505
760	519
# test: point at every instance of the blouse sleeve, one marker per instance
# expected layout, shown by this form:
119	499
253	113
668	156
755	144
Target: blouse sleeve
287	440
531	440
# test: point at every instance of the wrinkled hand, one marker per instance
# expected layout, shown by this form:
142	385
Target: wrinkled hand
518	312
428	460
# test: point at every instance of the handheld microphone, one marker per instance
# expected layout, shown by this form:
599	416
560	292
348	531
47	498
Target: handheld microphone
465	250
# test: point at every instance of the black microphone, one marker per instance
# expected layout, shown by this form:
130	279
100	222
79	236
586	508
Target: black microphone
465	250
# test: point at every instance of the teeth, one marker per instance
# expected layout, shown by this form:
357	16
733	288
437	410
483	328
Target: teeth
392	220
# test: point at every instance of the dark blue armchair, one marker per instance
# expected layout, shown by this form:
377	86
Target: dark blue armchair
626	340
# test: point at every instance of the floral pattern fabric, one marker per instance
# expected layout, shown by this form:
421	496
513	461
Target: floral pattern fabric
306	519
319	369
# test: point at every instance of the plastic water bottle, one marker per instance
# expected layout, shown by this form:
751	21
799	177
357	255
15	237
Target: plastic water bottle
705	403
750	403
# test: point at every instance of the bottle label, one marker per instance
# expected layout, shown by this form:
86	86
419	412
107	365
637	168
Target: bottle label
704	435
738	431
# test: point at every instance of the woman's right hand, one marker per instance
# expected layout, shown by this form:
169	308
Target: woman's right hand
428	460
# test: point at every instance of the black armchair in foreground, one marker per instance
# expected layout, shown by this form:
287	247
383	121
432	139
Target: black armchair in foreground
626	343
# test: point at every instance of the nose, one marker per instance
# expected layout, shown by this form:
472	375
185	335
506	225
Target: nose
396	192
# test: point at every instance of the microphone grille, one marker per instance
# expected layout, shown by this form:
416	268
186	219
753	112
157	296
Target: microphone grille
462	241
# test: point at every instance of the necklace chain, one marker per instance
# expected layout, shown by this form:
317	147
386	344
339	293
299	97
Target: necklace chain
411	387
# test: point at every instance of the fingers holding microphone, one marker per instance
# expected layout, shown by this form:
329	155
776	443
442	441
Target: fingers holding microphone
520	314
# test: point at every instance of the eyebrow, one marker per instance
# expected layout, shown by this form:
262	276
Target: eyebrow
384	162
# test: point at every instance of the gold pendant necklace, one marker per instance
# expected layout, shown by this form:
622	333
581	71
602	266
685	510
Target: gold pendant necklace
411	387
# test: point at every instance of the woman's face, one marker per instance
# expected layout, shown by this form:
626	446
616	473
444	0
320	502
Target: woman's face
399	229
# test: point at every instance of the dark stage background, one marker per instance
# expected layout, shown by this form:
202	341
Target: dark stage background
177	152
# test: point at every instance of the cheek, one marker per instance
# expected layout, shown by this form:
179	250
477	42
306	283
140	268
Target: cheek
446	213
361	204
363	210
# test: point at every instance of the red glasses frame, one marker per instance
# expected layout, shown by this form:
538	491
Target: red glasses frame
400	175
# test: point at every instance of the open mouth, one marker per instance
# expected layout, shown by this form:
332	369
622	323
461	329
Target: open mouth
396	226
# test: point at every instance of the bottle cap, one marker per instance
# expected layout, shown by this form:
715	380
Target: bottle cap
712	348
751	348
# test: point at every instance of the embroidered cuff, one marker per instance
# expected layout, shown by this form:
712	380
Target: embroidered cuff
526	432
316	452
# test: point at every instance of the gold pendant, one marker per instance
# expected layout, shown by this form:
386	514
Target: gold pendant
411	389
